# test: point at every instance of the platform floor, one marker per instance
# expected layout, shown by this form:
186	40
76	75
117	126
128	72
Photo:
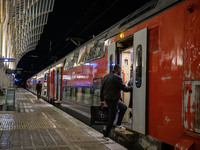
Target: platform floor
37	125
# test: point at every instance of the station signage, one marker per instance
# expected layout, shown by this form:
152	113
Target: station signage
9	71
7	60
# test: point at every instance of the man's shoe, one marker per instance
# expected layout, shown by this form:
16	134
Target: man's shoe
120	127
106	138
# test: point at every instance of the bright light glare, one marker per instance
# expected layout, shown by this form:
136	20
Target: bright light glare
6	60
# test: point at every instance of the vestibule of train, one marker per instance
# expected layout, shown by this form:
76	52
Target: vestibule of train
131	54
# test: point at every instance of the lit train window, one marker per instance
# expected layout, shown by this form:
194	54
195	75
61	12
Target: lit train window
75	58
69	61
95	50
81	57
138	69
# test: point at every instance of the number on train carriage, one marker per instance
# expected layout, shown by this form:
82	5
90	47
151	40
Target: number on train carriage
139	83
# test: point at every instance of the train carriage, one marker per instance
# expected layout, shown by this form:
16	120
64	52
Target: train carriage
161	41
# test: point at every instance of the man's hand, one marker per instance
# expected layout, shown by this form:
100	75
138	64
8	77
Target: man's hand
102	104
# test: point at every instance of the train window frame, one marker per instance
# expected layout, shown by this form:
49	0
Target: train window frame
138	74
91	55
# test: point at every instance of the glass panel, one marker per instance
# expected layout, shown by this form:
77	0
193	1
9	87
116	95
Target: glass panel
75	58
73	95
10	97
79	94
66	92
97	86
96	97
95	50
138	79
7	99
81	55
87	96
69	61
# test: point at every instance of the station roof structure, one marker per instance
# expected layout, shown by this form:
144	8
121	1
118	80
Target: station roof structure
26	20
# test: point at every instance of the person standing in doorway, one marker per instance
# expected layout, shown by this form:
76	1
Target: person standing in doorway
39	89
111	93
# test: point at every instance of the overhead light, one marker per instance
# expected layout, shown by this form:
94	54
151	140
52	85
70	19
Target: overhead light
121	35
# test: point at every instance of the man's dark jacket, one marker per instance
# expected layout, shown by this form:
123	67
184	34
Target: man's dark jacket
111	88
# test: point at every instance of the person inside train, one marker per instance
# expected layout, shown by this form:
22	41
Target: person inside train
111	93
39	89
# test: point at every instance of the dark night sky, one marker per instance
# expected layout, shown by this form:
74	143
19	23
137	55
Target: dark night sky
74	18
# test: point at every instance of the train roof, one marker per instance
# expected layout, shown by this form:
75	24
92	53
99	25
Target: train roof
145	12
150	9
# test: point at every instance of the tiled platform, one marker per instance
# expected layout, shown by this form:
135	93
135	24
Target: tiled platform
37	125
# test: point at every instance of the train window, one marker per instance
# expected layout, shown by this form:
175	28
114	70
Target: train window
153	35
81	55
138	79
95	50
70	60
197	101
66	63
75	58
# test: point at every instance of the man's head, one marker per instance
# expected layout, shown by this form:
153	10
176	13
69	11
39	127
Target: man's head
39	81
117	68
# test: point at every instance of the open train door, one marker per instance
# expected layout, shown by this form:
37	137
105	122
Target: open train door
111	56
139	81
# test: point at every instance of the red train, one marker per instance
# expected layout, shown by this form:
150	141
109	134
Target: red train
162	38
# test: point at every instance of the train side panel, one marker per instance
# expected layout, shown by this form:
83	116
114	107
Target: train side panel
173	50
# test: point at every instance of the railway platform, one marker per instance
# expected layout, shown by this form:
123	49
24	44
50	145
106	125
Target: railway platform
38	125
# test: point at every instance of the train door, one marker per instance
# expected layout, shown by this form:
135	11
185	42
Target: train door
125	74
45	84
48	85
125	59
58	84
139	81
111	56
52	85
